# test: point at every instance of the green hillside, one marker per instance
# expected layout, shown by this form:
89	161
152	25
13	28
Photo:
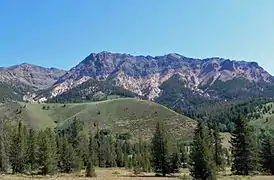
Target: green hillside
263	117
120	115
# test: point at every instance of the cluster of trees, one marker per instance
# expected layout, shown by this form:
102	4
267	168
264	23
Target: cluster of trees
227	100
24	150
224	112
48	151
251	152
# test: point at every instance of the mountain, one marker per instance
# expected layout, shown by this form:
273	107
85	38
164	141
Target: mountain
25	79
145	75
208	89
126	115
31	75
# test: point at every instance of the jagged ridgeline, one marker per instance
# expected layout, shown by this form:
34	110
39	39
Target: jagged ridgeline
187	85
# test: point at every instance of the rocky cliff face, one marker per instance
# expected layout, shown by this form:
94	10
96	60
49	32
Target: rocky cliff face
145	74
35	77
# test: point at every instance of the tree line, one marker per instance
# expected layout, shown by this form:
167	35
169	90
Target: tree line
49	151
251	152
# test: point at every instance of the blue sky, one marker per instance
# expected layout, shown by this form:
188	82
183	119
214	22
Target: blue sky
60	33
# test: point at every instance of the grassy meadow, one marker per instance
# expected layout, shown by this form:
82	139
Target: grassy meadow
119	115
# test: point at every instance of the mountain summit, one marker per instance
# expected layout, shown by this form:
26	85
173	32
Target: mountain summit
144	75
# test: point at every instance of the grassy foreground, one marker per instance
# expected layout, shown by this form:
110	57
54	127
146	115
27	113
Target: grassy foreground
117	174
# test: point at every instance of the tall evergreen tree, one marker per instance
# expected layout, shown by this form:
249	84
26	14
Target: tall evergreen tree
217	148
32	150
18	150
90	171
3	151
175	162
267	154
184	155
160	159
68	157
83	149
75	138
119	153
202	163
110	152
146	158
47	153
243	149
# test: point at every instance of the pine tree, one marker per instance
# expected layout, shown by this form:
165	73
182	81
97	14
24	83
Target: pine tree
267	154
83	149
184	155
32	150
75	138
18	150
243	149
110	152
217	149
137	163
105	149
146	158
3	151
175	162
47	153
101	148
202	163
120	155
90	171
160	155
68	158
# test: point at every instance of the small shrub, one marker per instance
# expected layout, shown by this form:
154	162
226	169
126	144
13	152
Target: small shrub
90	171
184	177
136	170
115	173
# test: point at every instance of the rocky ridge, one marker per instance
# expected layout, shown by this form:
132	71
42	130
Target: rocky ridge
145	74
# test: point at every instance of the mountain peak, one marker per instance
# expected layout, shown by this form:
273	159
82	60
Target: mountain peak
145	74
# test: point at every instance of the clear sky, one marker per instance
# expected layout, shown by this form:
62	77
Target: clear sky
60	33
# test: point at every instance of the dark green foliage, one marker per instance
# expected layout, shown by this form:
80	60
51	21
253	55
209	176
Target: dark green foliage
171	97
160	159
32	150
14	91
90	171
3	148
184	156
119	154
18	149
243	148
232	100
47	153
175	162
105	149
202	162
146	165
76	144
267	153
217	149
69	162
